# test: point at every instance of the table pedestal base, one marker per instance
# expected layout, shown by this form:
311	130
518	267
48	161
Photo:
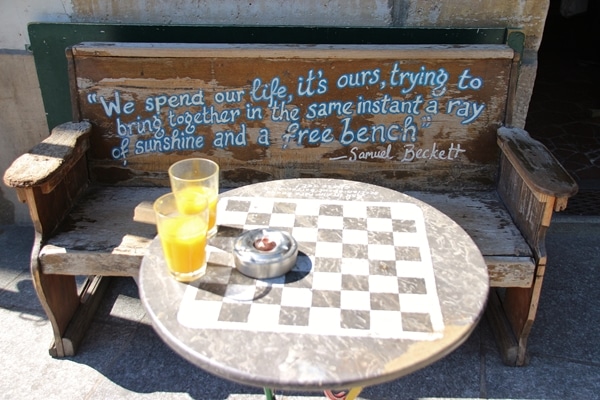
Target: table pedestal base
351	395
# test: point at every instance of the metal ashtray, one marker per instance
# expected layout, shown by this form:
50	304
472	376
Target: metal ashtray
265	253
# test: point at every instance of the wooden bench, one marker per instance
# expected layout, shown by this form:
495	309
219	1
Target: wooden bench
433	121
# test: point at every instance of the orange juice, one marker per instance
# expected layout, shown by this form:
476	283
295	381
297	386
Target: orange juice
190	201
183	240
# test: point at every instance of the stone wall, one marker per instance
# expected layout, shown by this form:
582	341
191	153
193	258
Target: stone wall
23	123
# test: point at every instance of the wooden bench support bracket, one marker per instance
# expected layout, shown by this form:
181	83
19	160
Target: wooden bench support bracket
505	338
507	342
91	296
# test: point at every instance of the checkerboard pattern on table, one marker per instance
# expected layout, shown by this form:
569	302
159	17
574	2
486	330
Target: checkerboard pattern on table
363	269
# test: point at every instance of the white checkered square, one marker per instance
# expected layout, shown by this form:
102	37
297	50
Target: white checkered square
354	266
383	284
327	319
386	321
405	211
416	303
239	293
327	281
328	250
302	234
380	225
382	252
307	208
355	300
355	210
296	297
407	239
355	236
282	220
264	314
278	281
409	269
331	222
261	207
231	218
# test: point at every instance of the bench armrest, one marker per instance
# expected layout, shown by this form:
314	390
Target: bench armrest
532	185
46	163
52	175
537	166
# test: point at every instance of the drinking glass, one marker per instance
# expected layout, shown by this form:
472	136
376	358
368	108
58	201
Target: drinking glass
192	180
183	236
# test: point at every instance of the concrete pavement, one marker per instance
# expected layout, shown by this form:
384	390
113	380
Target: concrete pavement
122	358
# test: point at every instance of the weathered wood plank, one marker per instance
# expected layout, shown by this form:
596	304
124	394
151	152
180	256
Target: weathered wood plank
399	116
61	261
102	221
484	217
91	296
531	211
241	50
510	271
503	332
95	244
46	163
48	210
58	297
99	236
536	164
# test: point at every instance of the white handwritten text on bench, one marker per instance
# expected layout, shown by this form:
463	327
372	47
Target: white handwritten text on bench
374	107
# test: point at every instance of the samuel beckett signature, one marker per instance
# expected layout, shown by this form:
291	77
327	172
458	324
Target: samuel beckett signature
410	153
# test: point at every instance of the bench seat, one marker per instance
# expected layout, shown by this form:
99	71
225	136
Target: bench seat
100	239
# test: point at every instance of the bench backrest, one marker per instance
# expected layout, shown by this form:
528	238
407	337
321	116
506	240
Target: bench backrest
406	117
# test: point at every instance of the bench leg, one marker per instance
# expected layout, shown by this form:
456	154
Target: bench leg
69	313
90	298
511	317
58	295
521	305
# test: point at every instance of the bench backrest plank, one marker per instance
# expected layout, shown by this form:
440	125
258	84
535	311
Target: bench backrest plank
406	117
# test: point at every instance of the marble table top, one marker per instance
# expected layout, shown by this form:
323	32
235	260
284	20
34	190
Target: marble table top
383	285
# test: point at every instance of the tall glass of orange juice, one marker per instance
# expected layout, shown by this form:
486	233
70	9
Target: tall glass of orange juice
183	236
192	180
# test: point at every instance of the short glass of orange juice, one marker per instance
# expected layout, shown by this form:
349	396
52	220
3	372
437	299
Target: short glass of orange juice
183	237
192	180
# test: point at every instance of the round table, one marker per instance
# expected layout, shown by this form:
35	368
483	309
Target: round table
385	285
